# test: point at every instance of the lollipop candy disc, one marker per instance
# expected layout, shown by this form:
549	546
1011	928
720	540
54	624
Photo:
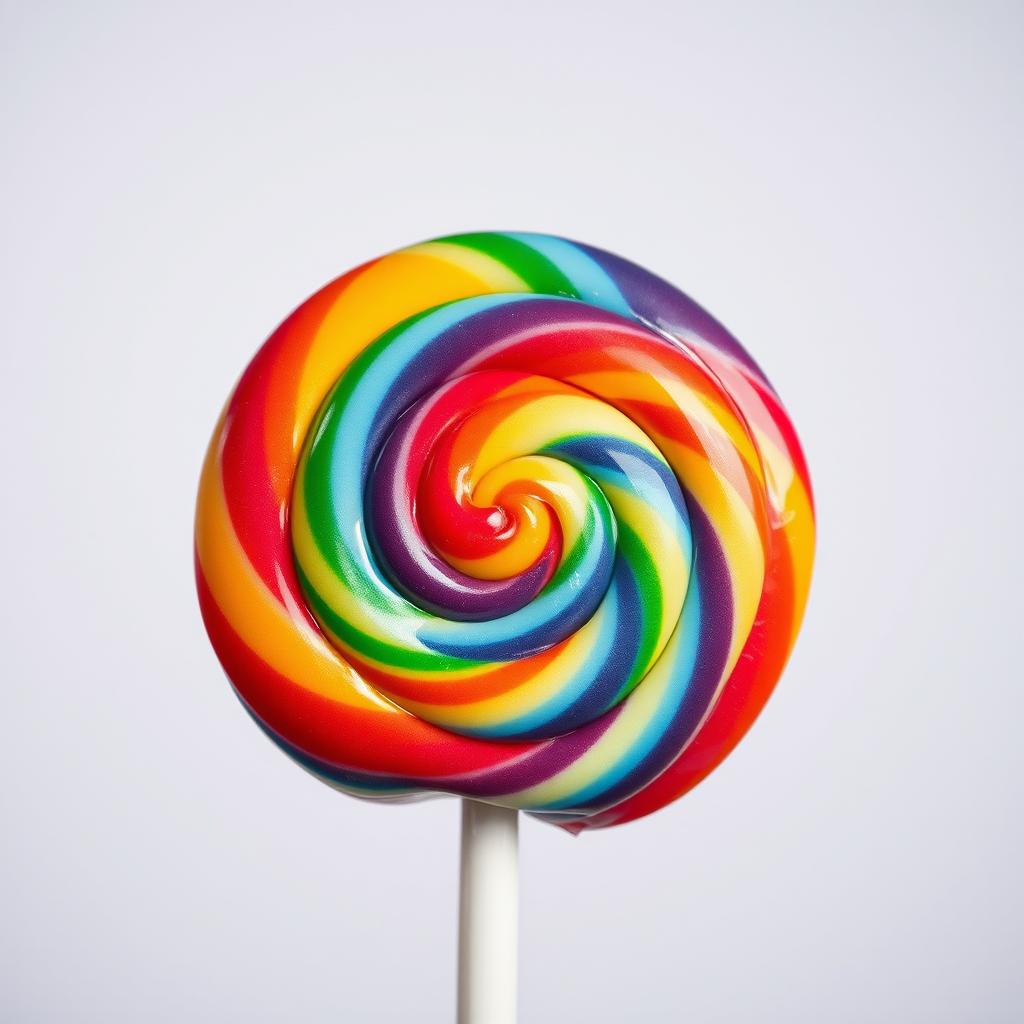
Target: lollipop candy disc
507	517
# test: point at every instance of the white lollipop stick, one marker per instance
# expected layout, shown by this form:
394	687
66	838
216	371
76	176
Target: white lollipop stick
488	914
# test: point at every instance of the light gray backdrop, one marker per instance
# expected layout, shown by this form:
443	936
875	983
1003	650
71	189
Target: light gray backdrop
840	183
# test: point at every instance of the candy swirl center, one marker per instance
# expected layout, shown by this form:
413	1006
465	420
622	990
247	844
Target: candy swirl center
491	540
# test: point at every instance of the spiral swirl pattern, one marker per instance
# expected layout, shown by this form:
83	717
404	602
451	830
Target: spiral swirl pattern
505	516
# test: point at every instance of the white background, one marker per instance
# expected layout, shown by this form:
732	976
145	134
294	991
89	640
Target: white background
840	183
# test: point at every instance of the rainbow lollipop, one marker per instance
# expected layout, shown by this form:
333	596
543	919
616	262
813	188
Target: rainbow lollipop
507	517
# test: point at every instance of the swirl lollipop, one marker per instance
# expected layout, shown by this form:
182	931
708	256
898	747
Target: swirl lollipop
507	517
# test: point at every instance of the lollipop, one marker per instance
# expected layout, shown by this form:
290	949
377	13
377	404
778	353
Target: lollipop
507	517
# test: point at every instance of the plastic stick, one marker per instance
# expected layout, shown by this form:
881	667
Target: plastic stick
488	914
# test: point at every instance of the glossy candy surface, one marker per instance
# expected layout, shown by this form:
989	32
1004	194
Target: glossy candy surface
505	516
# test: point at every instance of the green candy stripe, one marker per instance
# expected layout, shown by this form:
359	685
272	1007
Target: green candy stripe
540	274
